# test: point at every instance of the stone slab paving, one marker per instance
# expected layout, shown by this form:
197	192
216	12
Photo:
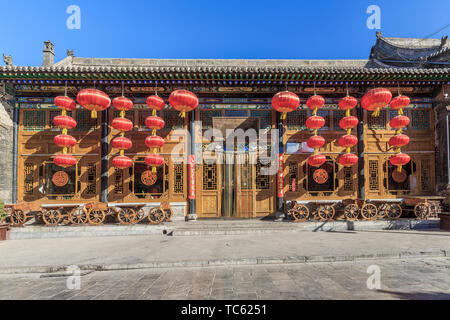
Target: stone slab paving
427	278
171	251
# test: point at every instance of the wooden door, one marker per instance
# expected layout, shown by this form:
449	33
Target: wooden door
244	186
210	190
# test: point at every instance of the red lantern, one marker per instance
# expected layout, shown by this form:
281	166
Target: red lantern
348	122
154	161
154	142
183	101
93	100
65	103
156	103
64	160
376	99
399	122
154	122
64	141
285	102
122	124
122	162
122	143
123	104
315	102
348	159
348	103
315	122
348	141
317	160
316	142
400	159
399	141
64	122
400	102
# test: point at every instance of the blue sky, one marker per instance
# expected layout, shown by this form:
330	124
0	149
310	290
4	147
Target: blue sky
212	29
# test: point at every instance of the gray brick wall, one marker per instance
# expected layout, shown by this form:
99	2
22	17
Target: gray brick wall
6	150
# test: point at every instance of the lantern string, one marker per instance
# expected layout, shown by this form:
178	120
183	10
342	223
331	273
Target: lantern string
65	88
314	88
123	89
346	84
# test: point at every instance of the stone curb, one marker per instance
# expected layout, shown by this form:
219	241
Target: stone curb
235	262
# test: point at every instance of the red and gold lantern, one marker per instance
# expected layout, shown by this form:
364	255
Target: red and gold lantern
347	123
399	140
285	102
65	123
154	160
156	103
123	125
93	100
183	101
155	123
315	123
375	100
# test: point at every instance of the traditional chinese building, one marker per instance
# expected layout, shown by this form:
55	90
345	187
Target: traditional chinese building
233	94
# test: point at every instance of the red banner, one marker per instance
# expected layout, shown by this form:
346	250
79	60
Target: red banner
280	186
192	177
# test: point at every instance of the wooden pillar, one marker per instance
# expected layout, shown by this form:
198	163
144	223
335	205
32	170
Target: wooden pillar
15	153
280	187
360	150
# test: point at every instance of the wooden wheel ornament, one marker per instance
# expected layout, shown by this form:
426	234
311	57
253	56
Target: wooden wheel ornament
96	217
382	210
140	214
320	176
369	211
326	212
351	212
18	218
126	216
394	211
422	210
77	216
60	178
148	178
156	215
52	217
399	177
300	213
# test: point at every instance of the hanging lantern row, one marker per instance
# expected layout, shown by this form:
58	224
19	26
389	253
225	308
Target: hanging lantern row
314	123
154	142
65	123
347	123
399	140
123	125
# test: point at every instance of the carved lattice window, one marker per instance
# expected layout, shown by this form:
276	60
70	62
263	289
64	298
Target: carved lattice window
420	119
206	117
84	120
173	119
209	177
374	184
28	178
178	173
348	179
296	120
264	116
34	120
326	115
377	123
337	117
262	180
293	175
425	175
118	181
91	186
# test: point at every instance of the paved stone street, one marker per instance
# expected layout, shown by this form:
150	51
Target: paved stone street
400	279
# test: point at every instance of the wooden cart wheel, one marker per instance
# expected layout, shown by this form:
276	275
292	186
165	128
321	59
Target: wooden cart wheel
96	217
126	216
369	211
156	215
326	212
140	215
383	210
52	217
168	213
18	218
300	213
77	216
351	212
422	210
394	211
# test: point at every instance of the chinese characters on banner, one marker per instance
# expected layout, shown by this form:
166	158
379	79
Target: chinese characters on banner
280	176
192	177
